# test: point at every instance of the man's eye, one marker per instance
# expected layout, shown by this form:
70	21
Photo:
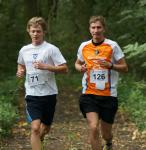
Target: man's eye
35	31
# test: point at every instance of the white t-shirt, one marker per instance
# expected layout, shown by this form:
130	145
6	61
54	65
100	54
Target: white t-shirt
40	82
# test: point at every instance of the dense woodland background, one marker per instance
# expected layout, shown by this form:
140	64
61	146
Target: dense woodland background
67	28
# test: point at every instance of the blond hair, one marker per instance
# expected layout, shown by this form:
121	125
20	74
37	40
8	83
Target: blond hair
35	21
94	19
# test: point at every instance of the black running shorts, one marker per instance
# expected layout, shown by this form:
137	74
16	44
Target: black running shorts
105	106
41	107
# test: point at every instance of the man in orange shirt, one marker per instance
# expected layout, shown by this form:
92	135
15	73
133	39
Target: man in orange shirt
100	59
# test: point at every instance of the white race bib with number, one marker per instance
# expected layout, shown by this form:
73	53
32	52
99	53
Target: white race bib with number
99	77
36	79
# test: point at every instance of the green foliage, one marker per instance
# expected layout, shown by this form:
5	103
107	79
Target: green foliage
131	22
135	51
12	35
69	80
132	97
68	27
136	55
8	105
7	116
68	24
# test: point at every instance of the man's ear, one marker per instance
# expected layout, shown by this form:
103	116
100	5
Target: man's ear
27	30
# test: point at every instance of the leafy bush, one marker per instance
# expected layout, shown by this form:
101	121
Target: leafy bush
135	55
132	92
8	105
7	117
132	97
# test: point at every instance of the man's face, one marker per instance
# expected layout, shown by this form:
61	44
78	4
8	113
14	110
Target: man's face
97	30
37	34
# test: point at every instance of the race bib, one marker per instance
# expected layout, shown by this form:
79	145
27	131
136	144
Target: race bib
36	79
99	77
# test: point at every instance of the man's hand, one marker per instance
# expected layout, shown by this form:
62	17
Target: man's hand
58	69
20	72
106	64
40	65
83	68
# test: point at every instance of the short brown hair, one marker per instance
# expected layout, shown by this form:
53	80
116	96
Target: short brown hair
37	21
94	19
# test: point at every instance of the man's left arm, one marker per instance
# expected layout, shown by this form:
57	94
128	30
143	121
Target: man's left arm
57	69
120	65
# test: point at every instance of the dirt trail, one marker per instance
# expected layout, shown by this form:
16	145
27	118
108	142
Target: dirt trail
69	130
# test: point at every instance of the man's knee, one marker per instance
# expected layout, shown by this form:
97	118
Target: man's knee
47	129
107	136
94	128
106	130
35	129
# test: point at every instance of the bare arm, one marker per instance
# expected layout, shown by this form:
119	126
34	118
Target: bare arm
57	69
80	66
20	71
119	66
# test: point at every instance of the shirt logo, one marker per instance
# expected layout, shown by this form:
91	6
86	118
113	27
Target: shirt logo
96	52
35	56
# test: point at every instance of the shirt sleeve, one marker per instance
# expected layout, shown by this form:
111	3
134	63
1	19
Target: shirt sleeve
57	57
79	53
118	54
20	59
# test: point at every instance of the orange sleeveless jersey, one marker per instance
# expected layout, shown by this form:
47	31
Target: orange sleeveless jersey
98	80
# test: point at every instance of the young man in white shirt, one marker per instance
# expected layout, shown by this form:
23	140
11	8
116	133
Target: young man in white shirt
40	61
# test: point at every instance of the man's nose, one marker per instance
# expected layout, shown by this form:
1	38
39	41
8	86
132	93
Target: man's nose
35	33
96	29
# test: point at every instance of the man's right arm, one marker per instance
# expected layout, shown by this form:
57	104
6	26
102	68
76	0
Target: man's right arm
20	71
80	66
